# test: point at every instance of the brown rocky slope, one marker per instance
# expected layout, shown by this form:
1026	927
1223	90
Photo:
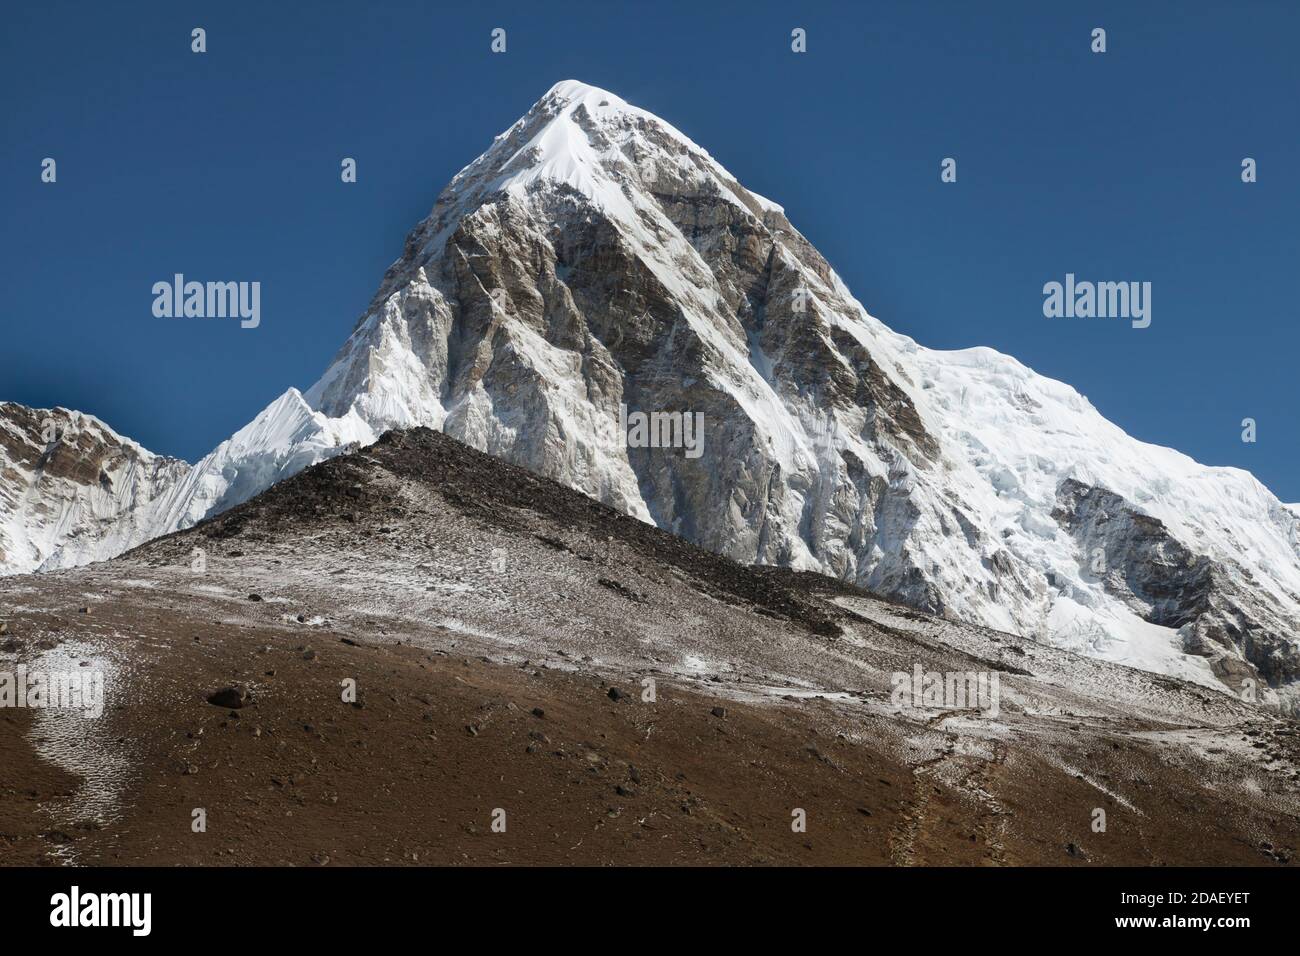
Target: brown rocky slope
502	633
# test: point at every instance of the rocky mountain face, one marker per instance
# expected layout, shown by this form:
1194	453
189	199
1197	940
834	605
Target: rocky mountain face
1214	605
594	263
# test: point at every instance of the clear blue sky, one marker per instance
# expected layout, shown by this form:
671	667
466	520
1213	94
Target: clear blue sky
226	166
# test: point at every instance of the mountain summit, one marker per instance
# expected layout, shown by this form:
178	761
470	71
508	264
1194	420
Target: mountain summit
594	262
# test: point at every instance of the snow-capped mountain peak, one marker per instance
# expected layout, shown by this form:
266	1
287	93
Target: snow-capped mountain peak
595	261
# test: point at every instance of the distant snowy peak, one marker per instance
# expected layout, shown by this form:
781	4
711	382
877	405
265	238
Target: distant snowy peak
286	437
72	490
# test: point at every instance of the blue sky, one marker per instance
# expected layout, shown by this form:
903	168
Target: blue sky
1120	166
